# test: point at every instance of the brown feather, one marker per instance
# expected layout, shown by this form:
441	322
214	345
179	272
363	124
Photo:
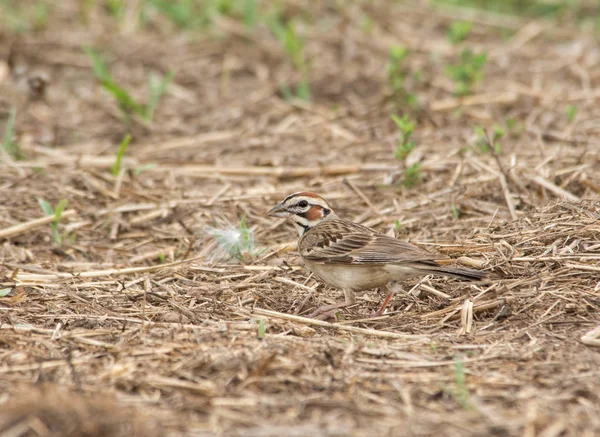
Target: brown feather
341	241
314	213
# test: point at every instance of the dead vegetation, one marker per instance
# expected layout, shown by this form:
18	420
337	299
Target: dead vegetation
132	315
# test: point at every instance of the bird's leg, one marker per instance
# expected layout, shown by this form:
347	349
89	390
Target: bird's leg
381	309
328	311
391	290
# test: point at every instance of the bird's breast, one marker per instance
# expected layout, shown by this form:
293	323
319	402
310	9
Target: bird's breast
350	277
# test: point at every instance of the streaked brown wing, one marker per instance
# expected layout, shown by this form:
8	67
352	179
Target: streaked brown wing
340	241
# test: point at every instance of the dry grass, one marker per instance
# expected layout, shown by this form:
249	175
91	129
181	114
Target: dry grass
133	314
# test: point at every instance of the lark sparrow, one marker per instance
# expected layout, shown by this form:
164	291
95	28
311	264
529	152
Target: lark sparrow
353	257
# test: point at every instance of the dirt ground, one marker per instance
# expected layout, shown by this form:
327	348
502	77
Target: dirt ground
137	325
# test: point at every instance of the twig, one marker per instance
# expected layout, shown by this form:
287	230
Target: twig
478	307
466	317
361	195
481	99
592	338
435	292
24	227
554	188
507	197
583	267
314	322
28	277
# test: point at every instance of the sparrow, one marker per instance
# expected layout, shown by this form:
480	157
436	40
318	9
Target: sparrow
355	258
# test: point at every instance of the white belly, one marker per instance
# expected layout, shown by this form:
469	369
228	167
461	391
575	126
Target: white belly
359	277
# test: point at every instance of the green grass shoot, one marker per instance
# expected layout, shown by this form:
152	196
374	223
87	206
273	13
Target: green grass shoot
460	392
467	72
262	329
182	13
57	213
397	76
116	168
489	142
454	210
8	143
405	130
293	47
115	7
157	87
412	175
571	111
459	31
21	16
127	104
143	167
250	13
397	225
528	8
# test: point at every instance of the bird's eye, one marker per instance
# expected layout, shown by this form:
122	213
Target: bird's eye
303	204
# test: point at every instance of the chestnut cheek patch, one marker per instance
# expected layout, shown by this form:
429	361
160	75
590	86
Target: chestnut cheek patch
314	213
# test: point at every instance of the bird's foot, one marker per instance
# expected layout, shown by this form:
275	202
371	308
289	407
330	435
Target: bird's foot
326	312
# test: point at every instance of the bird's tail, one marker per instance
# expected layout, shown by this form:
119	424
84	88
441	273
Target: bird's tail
458	272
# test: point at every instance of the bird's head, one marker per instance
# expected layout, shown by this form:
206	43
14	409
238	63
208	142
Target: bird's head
304	209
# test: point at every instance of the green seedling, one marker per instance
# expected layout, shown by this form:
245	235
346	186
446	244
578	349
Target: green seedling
405	130
458	31
116	168
511	124
183	13
468	72
460	392
125	101
115	7
41	13
397	225
8	142
262	329
57	214
250	13
195	14
571	111
143	167
127	104
5	292
530	8
412	174
367	24
454	210
397	74
293	47
157	87
434	346
24	16
513	128
489	142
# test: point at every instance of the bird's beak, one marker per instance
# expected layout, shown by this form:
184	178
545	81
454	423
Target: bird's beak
279	211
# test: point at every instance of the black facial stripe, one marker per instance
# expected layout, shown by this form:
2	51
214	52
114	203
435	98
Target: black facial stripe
289	197
325	212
